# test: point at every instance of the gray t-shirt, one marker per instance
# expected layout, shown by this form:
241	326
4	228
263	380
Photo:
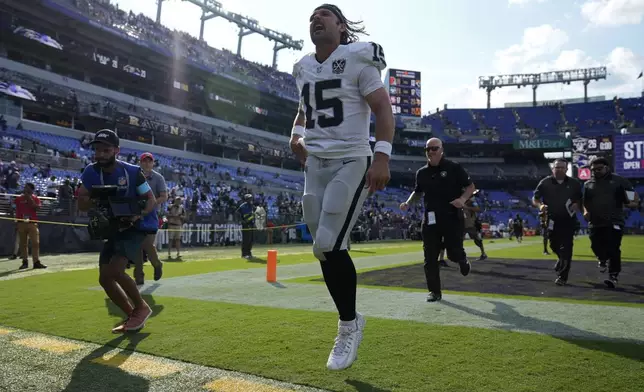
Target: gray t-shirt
157	183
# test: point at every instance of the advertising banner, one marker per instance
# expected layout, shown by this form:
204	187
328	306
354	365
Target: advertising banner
543	144
629	155
61	238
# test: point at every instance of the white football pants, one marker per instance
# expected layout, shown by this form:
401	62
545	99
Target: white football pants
334	193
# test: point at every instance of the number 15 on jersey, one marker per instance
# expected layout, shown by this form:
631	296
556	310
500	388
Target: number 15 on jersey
335	104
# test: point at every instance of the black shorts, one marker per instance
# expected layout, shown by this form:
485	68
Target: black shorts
126	244
518	232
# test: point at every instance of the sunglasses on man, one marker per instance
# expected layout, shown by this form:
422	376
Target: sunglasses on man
432	148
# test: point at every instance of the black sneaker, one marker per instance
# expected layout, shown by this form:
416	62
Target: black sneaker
465	267
483	257
158	272
39	265
611	282
602	265
560	281
434	297
24	265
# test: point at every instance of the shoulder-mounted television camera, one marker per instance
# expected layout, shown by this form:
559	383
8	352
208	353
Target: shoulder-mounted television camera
111	213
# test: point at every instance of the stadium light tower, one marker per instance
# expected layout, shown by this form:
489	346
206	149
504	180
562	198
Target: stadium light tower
586	75
212	9
159	4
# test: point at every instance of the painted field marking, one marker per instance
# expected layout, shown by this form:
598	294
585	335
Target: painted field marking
137	365
227	384
48	344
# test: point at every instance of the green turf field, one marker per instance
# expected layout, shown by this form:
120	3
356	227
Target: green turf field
257	331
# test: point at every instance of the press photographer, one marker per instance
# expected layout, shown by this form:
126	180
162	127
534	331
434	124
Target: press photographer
113	192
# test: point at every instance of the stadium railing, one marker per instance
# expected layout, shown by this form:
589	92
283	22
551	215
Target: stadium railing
26	157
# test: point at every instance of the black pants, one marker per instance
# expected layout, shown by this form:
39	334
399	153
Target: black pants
606	243
247	241
561	243
544	233
449	234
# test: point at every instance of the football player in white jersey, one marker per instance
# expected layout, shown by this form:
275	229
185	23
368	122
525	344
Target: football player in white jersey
340	86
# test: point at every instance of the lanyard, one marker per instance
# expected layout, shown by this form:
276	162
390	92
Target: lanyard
127	179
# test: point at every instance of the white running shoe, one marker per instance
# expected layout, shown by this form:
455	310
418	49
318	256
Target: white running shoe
345	349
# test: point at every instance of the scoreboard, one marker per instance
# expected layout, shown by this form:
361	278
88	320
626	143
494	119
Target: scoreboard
404	90
585	149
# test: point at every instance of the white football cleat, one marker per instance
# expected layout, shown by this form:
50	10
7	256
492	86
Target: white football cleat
345	349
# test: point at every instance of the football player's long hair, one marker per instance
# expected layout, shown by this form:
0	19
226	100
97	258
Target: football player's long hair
352	30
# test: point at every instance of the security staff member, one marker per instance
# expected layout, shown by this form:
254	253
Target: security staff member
248	224
446	187
470	209
605	196
559	196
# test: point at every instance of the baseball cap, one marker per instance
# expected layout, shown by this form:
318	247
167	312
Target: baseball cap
147	155
106	136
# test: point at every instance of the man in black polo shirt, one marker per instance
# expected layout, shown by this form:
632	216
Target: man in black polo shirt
446	187
605	196
559	196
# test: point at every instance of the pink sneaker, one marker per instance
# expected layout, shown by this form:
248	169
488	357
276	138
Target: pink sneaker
121	327
138	318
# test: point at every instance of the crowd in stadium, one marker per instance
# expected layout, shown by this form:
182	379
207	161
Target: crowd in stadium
188	47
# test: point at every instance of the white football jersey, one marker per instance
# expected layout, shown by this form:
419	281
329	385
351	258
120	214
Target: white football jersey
332	97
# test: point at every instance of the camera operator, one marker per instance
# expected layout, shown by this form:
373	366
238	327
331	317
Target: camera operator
125	241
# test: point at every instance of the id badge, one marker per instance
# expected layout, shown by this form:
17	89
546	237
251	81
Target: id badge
431	218
551	224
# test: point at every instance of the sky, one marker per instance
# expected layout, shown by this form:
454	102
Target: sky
452	42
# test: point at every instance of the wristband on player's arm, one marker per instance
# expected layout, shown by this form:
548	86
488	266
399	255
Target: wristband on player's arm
298	130
383	147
